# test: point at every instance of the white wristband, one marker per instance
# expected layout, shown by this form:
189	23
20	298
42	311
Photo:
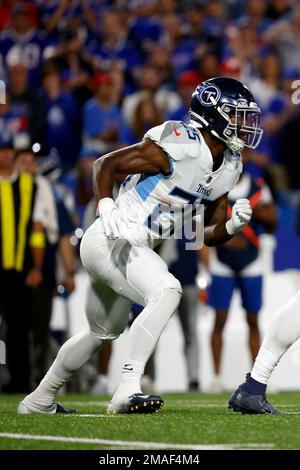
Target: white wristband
229	227
105	203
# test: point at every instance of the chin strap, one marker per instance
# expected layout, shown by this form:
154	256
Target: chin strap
236	145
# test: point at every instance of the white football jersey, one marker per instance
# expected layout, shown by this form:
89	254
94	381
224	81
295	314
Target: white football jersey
151	205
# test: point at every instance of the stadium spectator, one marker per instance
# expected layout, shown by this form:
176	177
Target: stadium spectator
146	115
208	66
101	116
74	63
57	13
25	101
62	118
187	82
22	42
13	122
255	17
79	180
113	45
181	48
278	9
284	35
149	80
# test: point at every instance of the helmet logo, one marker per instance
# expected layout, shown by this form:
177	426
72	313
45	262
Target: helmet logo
208	94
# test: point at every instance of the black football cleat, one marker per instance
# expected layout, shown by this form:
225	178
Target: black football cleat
248	403
62	410
136	403
26	407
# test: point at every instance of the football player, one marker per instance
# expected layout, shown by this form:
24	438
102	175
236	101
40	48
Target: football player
283	332
177	168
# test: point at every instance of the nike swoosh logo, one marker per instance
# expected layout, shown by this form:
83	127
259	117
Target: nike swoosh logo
127	368
176	131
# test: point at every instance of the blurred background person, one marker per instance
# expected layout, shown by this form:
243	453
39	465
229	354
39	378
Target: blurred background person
25	101
22	242
238	265
62	117
146	115
21	41
185	268
79	182
58	229
101	116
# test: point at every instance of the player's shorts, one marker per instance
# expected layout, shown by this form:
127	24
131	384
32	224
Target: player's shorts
222	288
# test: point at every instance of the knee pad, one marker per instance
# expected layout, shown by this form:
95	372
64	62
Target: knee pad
102	335
168	283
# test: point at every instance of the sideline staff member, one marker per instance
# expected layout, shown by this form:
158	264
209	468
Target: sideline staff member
21	257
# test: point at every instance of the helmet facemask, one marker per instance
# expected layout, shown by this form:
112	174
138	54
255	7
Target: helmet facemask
243	128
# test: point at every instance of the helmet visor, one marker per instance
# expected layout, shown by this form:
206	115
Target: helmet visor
244	123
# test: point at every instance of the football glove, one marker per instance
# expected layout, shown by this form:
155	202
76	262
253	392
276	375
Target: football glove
107	212
241	215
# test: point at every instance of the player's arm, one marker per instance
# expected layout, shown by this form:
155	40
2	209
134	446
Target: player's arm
266	214
218	229
144	157
215	219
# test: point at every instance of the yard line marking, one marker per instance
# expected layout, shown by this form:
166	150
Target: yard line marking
86	403
138	444
90	415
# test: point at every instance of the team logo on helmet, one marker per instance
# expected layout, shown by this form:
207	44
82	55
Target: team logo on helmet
208	94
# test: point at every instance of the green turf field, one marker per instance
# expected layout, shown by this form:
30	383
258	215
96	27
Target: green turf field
187	421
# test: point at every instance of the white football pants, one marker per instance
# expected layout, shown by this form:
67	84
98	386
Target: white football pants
283	332
121	274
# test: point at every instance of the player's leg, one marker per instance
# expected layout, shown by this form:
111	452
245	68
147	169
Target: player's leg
187	312
148	274
106	311
254	336
107	315
221	317
283	331
251	292
221	291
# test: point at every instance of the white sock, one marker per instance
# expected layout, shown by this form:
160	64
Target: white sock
283	331
72	355
131	377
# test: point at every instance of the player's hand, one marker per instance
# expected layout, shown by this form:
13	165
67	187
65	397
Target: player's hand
241	215
107	211
69	283
34	278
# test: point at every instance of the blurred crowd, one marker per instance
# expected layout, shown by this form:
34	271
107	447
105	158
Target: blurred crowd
85	77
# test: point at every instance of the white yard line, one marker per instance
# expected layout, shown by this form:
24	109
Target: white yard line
84	403
134	444
90	415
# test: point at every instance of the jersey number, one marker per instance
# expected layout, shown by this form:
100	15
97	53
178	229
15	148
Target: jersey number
152	221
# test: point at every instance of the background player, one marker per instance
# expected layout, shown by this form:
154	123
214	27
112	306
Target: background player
283	332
